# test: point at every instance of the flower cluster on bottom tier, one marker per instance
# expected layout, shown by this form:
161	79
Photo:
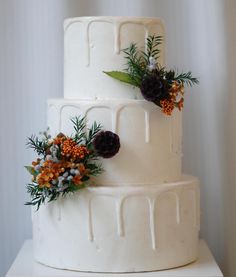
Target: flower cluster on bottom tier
120	229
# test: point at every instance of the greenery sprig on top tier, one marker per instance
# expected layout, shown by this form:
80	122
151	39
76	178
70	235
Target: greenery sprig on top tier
163	87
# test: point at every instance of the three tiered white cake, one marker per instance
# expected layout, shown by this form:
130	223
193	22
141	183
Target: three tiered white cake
143	214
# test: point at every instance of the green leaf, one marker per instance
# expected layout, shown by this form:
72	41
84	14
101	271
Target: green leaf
186	78
31	170
121	76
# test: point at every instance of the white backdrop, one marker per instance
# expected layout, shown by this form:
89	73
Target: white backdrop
199	37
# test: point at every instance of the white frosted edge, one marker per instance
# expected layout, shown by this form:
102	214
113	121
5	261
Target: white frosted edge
100	101
146	20
187	180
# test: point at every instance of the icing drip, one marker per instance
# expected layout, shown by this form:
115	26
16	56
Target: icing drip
177	203
152	202
119	216
115	111
114	119
146	118
35	216
117	38
87	43
116	30
147	126
175	135
87	38
90	221
59	210
171	135
58	111
152	196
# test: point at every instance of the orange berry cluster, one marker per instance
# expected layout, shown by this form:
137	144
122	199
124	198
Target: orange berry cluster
71	149
176	90
67	147
167	106
79	152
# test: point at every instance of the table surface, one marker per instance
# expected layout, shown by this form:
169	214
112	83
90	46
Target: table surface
25	266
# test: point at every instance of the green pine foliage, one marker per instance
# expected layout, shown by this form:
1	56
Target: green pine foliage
153	50
92	132
79	128
137	62
186	78
37	145
41	145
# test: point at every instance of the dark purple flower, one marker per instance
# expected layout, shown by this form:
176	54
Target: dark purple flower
154	88
106	144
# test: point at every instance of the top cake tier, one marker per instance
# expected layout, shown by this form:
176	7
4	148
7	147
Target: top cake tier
93	45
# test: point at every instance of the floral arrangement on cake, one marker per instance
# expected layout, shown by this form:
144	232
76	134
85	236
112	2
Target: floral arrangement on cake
163	87
65	164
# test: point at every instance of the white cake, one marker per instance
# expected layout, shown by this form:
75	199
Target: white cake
143	213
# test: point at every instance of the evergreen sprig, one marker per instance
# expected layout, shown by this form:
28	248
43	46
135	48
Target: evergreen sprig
40	146
153	50
137	61
186	78
95	169
36	194
163	87
40	195
82	137
81	134
136	64
92	132
79	127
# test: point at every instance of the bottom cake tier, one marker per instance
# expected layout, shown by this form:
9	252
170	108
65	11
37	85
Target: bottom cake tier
120	229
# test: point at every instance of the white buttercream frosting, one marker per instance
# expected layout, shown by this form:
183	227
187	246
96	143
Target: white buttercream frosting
120	229
142	215
93	45
150	150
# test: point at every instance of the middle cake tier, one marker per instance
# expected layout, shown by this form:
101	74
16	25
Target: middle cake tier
150	141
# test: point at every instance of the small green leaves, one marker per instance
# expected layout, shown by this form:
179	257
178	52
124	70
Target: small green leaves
121	76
